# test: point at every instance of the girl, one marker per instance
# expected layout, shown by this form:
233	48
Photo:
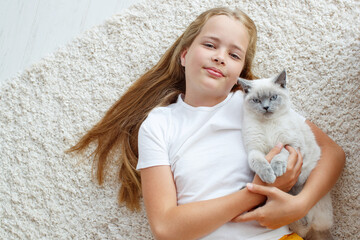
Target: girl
180	126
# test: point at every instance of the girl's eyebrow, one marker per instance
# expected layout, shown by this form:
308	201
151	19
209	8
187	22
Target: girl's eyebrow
216	39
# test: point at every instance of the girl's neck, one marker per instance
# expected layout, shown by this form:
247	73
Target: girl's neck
202	101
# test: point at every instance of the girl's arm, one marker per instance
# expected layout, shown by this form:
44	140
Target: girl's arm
327	171
190	221
282	208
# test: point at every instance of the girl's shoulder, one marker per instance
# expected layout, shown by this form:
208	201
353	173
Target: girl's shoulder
158	113
238	93
158	117
237	97
163	112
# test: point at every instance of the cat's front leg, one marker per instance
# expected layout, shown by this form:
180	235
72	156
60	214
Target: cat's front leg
279	162
261	166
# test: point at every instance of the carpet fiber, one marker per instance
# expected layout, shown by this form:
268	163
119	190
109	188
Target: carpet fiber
47	194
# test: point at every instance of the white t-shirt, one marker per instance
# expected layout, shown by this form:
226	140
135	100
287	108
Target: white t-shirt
204	148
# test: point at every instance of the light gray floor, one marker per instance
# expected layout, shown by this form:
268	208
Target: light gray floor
31	29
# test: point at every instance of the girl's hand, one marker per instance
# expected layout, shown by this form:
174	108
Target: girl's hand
293	169
280	209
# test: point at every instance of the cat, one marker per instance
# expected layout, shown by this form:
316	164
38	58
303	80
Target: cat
268	120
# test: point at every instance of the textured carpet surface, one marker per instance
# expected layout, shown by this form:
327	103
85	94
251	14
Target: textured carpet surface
45	194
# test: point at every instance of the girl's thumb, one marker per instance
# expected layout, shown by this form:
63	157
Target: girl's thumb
274	151
263	190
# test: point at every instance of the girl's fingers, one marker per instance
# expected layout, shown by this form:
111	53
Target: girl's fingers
257	213
299	163
249	216
274	151
263	190
293	157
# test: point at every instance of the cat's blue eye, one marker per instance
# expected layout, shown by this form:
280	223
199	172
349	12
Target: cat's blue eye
256	100
273	98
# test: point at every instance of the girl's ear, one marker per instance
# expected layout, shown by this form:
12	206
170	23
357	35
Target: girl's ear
182	57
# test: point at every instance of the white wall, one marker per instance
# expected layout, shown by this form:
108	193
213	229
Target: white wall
31	29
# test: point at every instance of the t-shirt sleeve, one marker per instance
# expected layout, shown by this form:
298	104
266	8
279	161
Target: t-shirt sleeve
152	145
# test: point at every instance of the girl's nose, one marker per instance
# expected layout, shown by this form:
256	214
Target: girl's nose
218	59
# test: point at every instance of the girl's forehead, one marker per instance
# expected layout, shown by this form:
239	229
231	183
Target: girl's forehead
227	29
223	22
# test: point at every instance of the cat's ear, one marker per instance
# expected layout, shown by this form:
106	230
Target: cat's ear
245	84
281	79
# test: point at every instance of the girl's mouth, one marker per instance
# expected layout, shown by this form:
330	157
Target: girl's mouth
214	72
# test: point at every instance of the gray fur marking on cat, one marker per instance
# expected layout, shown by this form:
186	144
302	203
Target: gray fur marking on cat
268	120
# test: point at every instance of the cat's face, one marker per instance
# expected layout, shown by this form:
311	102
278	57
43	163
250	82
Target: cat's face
267	97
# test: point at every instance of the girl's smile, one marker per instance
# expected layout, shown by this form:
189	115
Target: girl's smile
215	72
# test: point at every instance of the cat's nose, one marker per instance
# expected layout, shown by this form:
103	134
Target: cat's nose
266	108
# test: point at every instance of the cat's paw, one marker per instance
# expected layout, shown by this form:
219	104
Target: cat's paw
304	221
267	174
301	226
261	166
279	166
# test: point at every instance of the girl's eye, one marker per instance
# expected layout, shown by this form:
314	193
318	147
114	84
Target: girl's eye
209	45
235	56
255	100
273	98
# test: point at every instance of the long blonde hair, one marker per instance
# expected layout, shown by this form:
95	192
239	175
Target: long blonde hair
160	86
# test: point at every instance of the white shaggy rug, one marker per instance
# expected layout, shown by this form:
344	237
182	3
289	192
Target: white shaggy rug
45	194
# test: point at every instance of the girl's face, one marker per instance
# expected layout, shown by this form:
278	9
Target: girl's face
214	61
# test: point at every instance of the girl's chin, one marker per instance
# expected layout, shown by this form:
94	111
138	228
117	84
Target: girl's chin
212	82
216	86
